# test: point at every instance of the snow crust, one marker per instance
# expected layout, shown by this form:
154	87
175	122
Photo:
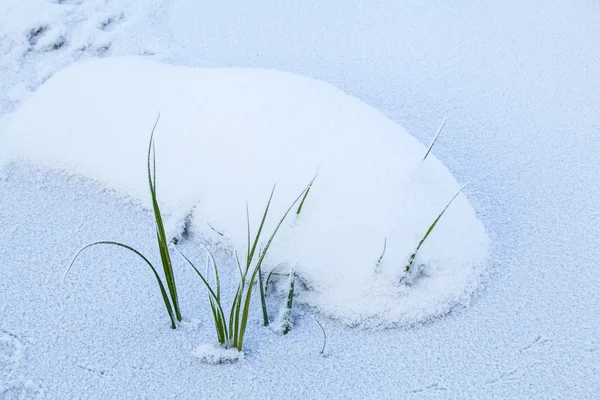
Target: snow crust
226	136
213	354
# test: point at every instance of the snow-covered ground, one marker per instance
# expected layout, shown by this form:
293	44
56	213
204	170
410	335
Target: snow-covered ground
521	87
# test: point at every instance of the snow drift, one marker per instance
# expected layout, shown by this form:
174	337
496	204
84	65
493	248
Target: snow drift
226	136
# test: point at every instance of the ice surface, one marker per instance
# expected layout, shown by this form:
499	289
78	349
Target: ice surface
520	85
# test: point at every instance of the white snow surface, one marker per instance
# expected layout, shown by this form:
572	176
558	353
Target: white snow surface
214	354
520	85
226	136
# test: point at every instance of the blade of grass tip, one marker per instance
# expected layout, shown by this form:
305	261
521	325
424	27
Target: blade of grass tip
260	228
259	263
264	252
160	284
303	200
435	138
382	254
213	228
237	305
208	287
239	265
324	333
150	147
412	257
306	194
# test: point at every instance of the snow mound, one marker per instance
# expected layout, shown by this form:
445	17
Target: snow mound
226	136
214	354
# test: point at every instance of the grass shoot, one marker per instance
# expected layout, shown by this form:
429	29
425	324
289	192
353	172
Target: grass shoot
431	227
172	302
324	334
435	138
286	320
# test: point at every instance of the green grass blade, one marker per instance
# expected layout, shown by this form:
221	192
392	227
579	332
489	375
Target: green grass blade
299	210
324	334
160	284
290	301
232	329
263	301
244	319
221	320
238	336
161	236
431	227
303	200
435	138
251	256
260	228
211	259
217	320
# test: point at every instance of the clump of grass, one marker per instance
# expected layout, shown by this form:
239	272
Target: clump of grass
431	227
231	331
172	302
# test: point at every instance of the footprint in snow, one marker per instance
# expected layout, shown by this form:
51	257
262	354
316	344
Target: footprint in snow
67	2
11	352
43	38
110	23
540	343
19	389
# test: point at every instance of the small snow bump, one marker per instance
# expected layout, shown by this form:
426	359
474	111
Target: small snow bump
213	354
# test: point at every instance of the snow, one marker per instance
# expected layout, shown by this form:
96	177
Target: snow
519	83
213	354
226	136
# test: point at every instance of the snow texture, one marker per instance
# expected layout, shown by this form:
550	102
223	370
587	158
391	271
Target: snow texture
520	84
226	136
213	354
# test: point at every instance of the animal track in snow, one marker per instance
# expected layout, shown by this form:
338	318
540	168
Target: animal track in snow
507	377
36	33
539	343
67	2
11	351
434	387
111	23
20	389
